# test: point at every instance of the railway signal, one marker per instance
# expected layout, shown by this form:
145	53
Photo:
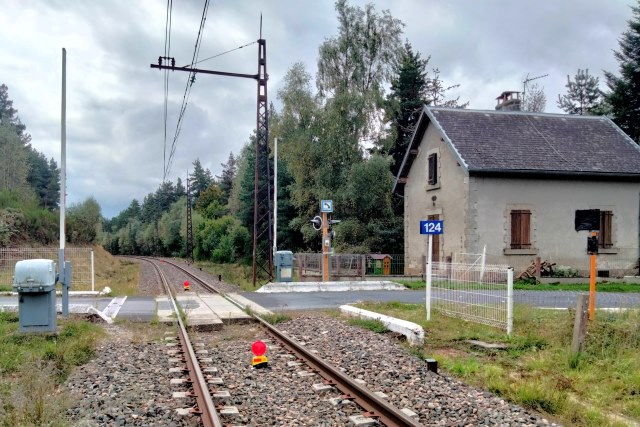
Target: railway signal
259	360
186	285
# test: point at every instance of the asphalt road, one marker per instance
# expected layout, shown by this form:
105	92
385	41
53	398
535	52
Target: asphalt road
319	300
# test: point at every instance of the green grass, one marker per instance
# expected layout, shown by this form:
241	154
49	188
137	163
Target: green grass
6	288
275	318
372	324
600	287
237	274
527	286
411	284
538	370
32	366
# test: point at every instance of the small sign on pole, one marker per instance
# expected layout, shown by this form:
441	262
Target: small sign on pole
326	206
430	227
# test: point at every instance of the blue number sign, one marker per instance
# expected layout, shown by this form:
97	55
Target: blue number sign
431	227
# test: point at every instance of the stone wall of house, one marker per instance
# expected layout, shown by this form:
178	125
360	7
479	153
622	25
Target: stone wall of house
447	199
553	204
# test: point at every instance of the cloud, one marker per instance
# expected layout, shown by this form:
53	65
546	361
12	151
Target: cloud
115	128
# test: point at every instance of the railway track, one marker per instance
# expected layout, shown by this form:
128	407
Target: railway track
373	406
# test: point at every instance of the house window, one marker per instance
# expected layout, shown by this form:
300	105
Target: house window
432	166
520	229
605	239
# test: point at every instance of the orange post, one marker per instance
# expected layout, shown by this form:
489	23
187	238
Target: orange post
592	287
325	248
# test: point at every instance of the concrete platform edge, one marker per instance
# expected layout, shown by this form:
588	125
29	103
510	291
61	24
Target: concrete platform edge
413	331
330	286
244	302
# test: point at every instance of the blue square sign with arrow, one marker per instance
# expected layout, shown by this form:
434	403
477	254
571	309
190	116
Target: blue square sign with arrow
326	206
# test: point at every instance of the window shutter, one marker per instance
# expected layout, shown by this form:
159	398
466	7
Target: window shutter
520	229
432	164
606	222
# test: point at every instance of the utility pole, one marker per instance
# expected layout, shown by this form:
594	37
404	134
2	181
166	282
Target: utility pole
189	224
262	222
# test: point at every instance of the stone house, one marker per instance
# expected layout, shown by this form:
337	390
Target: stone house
512	181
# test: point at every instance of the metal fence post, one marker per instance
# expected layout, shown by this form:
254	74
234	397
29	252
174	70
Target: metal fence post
93	277
509	301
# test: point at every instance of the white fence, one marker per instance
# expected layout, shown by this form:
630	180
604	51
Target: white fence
82	269
476	292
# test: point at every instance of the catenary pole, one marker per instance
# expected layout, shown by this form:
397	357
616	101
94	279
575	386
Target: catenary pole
275	196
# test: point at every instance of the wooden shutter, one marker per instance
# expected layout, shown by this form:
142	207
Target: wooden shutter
432	164
605	239
520	229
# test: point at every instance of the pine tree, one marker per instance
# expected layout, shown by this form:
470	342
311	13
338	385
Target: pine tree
436	92
405	102
225	180
624	97
583	94
180	190
200	179
9	117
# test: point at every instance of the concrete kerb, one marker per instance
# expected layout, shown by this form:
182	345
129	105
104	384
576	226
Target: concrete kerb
413	331
330	286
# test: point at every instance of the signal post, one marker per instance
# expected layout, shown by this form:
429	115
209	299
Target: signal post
326	247
324	223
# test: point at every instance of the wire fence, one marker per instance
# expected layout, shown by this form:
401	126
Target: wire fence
475	292
82	267
562	300
349	266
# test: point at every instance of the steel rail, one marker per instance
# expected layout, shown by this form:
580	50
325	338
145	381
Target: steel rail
204	404
376	407
388	414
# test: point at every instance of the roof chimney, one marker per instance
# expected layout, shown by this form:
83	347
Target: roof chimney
509	101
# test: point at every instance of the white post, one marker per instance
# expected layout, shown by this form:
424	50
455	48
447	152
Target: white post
429	269
275	197
63	186
63	152
509	301
92	273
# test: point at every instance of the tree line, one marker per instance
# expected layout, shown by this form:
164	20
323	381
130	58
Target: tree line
342	141
29	182
341	136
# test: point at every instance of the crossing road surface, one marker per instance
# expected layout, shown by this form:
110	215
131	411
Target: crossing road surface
319	300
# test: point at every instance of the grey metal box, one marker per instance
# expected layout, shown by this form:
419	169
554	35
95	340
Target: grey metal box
284	266
35	282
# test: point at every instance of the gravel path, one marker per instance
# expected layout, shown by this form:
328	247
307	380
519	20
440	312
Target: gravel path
382	365
126	384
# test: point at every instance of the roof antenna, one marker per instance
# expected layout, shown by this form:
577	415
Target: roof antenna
260	25
524	83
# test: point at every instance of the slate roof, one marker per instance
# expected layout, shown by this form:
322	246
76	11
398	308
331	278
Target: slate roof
514	142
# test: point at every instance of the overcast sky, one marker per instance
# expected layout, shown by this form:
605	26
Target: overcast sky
115	126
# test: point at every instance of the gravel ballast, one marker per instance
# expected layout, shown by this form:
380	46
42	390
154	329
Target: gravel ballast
126	384
382	365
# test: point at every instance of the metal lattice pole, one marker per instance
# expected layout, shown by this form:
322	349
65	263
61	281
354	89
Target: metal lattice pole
189	224
262	223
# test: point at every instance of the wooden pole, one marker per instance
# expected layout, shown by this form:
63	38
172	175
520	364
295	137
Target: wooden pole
580	324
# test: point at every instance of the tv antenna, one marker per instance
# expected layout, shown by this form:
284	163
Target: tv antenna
527	80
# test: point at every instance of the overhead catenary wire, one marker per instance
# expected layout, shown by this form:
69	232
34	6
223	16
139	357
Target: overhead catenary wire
225	52
187	89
